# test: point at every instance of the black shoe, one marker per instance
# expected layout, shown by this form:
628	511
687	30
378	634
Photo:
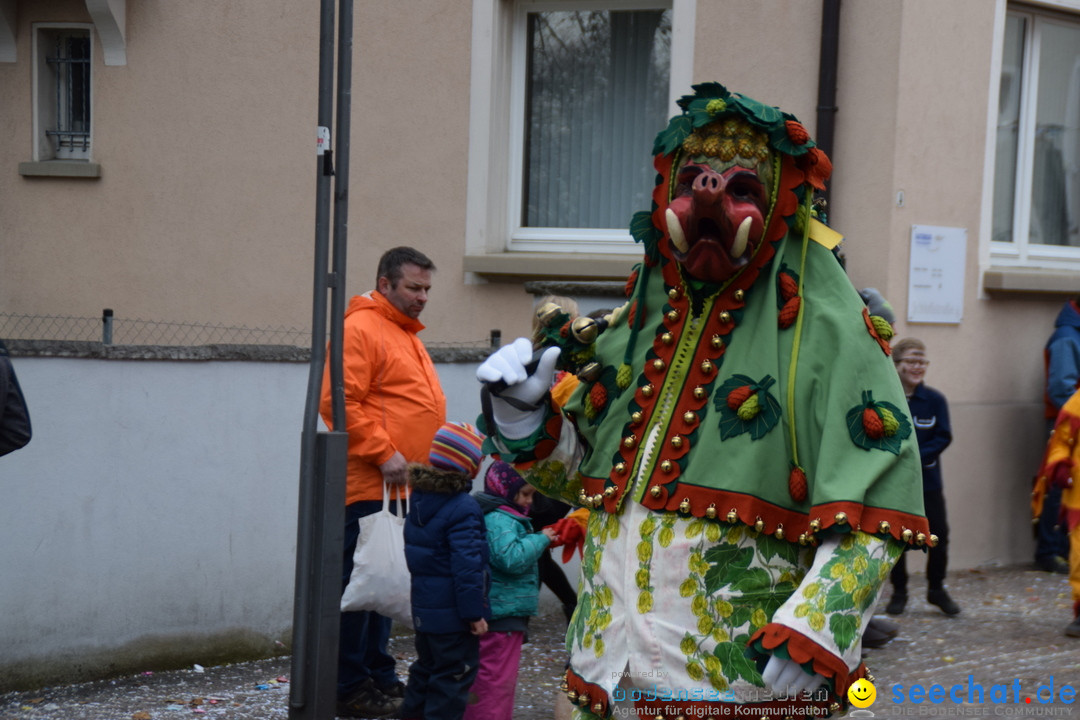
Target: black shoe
941	598
1073	629
368	702
896	604
395	689
879	632
1053	564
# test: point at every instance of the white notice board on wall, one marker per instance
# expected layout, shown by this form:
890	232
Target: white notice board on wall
936	274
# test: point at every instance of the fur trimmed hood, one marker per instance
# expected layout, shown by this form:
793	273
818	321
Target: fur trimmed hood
435	480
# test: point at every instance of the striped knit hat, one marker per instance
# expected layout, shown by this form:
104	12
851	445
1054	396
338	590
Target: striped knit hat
457	447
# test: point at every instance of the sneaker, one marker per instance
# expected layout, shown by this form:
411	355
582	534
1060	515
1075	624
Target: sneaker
1073	629
368	702
1053	564
896	604
941	598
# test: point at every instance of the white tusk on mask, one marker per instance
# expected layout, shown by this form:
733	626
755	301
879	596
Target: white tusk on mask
678	237
738	247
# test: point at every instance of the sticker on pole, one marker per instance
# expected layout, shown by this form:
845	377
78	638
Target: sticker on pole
323	142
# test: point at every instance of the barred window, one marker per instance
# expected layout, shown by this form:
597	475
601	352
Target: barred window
63	91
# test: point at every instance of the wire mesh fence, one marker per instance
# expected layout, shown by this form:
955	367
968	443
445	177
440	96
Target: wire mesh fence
112	330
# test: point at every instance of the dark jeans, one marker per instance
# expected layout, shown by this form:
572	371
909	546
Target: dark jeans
938	556
364	635
439	680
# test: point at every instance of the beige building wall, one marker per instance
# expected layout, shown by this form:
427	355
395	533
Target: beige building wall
205	208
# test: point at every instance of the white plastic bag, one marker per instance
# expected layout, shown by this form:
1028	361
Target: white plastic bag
380	579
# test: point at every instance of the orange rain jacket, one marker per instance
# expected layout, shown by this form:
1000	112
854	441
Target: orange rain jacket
393	400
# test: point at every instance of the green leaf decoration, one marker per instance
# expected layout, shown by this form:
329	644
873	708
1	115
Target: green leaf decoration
642	228
727	563
845	628
754	580
770	547
576	632
671	138
731	425
838	599
734	662
890	443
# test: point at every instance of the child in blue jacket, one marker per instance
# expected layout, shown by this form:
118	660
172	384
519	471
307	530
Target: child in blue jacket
447	553
515	589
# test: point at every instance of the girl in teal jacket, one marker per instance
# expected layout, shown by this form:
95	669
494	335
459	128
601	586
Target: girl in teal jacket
514	551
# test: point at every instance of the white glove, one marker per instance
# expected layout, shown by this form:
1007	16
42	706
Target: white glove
787	677
507	365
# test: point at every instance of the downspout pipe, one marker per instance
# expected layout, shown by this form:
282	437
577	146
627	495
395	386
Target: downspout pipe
827	72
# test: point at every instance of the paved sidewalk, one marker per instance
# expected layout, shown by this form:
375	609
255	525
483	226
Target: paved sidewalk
1007	639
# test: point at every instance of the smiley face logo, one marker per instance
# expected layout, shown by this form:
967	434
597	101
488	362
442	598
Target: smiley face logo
862	693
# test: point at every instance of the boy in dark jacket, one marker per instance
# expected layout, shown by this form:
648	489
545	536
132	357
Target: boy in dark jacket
447	553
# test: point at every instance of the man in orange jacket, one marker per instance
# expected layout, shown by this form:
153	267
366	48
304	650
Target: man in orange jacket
393	407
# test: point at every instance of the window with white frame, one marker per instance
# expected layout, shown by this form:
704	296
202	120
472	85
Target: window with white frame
62	92
1036	216
571	96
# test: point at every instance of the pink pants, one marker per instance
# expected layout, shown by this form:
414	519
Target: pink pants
492	693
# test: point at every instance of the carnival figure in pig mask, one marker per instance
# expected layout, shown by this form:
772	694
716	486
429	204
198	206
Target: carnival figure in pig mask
739	435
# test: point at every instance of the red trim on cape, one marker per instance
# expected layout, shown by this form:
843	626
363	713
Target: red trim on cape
716	504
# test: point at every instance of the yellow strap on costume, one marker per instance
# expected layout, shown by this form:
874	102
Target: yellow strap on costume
824	235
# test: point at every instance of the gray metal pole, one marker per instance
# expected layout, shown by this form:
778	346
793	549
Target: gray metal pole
320	521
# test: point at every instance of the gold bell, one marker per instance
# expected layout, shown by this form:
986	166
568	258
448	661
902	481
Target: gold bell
710	512
677	441
583	700
655	491
673	293
673	316
629	441
658	365
620	468
699	393
597	500
716	342
598	708
840	518
666	466
609	491
647	390
907	535
815	525
706	366
585	329
636	417
689	417
684	506
933	540
667	338
883	526
779	532
590	372
759	525
571	696
732	516
803	538
546	313
725	317
740	294
920	539
582	497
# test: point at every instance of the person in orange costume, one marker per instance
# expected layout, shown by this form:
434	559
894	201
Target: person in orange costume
1061	468
394	405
